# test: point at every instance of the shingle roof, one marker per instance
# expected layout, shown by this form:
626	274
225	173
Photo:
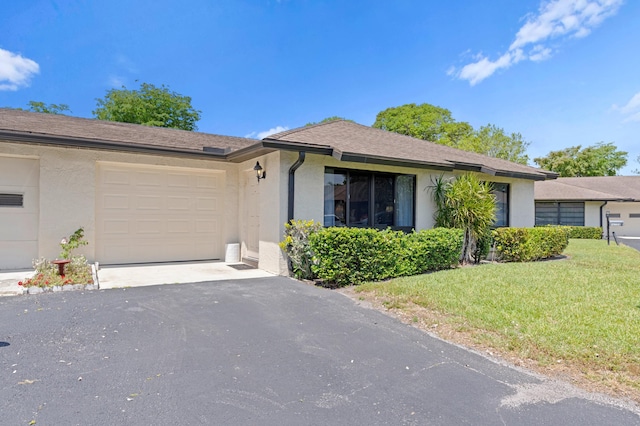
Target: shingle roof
354	142
21	123
600	188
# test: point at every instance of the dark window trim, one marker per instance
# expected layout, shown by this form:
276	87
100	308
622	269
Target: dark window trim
559	218
371	175
11	200
508	203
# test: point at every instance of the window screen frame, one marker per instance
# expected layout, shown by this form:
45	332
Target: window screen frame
558	213
347	219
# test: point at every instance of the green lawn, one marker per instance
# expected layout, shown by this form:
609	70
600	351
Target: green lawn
584	310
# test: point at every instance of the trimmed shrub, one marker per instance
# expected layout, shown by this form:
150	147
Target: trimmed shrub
296	246
431	250
355	255
585	232
529	244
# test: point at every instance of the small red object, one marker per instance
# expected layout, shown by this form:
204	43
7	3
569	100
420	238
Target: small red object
61	264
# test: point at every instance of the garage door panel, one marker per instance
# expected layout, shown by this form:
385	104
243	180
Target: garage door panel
17	254
207	204
114	227
115	202
169	215
22	225
208	182
19	224
149	202
178	203
115	177
149	179
179	227
182	181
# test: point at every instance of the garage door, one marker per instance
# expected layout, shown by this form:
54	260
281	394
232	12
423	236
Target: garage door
157	214
19	201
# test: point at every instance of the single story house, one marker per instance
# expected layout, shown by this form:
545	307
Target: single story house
146	194
585	201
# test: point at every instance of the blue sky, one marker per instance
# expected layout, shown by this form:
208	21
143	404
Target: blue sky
560	72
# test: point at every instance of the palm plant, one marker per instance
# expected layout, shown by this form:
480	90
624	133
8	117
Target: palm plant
466	203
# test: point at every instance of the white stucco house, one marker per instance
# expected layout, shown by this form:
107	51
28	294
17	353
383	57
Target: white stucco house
147	194
585	201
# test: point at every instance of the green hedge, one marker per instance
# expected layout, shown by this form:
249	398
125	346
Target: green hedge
355	255
585	232
529	244
580	232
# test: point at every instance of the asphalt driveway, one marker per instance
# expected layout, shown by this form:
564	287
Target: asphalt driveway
630	241
268	351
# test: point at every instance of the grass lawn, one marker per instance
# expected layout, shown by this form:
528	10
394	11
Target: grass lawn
577	317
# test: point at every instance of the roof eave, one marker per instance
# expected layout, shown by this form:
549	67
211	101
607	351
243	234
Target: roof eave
386	161
74	142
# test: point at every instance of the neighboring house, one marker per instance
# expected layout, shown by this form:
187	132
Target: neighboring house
146	194
585	201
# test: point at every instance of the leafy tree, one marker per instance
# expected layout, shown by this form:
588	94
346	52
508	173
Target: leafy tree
468	204
328	119
492	140
35	106
149	106
48	109
602	159
423	121
435	124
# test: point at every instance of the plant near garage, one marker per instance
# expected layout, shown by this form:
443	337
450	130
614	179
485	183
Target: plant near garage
74	241
296	246
78	271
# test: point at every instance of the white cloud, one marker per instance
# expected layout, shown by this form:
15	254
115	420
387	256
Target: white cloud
555	19
631	110
15	70
116	81
265	133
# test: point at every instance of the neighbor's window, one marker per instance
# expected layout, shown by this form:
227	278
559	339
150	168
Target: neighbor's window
366	199
501	191
557	213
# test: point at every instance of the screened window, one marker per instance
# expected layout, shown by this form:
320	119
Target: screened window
501	191
553	213
366	199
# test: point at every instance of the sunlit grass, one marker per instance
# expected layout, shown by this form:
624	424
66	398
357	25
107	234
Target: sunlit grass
584	309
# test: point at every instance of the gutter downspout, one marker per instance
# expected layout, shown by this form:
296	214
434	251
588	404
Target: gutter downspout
292	183
601	225
601	207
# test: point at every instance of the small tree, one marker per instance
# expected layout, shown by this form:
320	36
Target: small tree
74	241
58	109
468	204
149	106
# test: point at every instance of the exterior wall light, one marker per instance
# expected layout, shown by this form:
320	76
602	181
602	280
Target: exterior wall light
260	172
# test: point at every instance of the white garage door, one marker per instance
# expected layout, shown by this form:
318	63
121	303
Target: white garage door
157	214
19	201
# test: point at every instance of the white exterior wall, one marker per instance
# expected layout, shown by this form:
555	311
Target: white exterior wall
592	213
68	188
522	208
309	190
68	181
272	207
631	226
